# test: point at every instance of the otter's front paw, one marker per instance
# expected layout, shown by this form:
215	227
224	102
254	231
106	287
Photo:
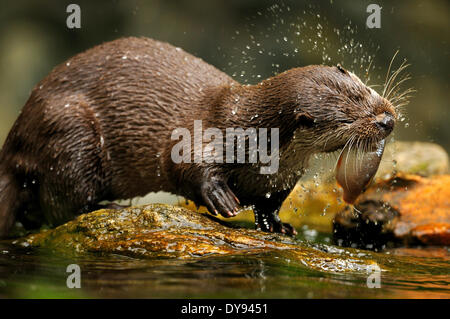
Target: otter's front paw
274	226
219	198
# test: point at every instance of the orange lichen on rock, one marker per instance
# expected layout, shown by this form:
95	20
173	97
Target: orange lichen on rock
423	204
433	234
420	206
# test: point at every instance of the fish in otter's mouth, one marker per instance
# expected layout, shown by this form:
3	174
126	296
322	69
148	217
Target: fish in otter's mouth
355	169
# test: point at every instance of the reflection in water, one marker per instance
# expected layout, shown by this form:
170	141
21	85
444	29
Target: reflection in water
408	273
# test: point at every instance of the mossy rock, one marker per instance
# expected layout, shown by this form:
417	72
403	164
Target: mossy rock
164	231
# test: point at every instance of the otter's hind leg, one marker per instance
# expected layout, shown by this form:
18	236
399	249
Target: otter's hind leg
9	200
72	174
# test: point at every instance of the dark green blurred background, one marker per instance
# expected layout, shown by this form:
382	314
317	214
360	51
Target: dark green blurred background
250	40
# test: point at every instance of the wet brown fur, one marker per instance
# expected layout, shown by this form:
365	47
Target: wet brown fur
98	128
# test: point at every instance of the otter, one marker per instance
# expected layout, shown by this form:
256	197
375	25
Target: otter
98	128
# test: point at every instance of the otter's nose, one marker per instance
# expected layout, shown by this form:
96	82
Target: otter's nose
385	121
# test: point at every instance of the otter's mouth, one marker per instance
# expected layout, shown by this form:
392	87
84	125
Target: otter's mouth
355	168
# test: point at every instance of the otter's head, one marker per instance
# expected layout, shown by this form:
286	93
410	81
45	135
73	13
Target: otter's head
336	108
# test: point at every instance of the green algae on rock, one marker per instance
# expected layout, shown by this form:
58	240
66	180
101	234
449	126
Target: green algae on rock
167	231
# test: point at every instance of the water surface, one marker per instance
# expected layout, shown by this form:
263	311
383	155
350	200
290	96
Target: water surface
37	273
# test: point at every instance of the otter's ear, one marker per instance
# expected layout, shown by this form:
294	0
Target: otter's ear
340	68
304	119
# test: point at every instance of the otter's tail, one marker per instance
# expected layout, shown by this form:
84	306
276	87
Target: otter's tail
9	192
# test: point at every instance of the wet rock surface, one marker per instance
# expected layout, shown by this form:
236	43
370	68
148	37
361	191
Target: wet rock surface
406	209
419	158
167	231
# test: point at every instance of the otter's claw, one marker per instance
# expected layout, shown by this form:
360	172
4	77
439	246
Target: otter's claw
219	198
